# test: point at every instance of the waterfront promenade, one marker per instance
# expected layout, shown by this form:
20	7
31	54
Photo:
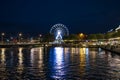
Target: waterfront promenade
19	44
47	44
113	48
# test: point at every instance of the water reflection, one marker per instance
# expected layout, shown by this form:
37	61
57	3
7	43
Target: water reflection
20	61
82	61
40	57
74	50
66	50
114	61
58	56
3	56
37	65
20	57
37	57
57	60
58	63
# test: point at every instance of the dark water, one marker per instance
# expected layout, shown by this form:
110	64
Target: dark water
58	64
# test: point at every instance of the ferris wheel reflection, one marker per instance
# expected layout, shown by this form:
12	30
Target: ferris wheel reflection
57	60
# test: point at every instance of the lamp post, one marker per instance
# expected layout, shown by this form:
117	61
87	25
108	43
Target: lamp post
2	35
40	37
20	34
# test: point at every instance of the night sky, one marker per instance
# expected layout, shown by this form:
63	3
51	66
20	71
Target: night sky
38	16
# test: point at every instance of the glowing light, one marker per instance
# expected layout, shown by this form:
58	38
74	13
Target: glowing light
59	36
20	61
66	50
60	27
3	55
59	32
73	50
20	34
40	35
81	35
82	60
59	55
37	57
58	62
3	34
87	51
40	57
32	56
20	56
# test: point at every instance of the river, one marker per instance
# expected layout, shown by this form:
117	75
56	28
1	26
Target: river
58	63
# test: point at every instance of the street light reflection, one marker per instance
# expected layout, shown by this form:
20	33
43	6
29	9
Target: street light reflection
37	57
3	55
82	61
40	57
20	61
20	56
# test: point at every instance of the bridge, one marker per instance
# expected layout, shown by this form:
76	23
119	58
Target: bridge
25	44
69	43
46	44
112	48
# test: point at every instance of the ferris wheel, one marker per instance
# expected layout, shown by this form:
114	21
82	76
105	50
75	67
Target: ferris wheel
59	30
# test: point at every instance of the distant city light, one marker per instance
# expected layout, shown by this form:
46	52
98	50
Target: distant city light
20	34
3	34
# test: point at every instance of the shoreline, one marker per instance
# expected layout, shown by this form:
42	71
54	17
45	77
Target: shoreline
112	49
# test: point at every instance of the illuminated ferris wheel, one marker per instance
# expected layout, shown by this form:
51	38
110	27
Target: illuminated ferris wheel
59	30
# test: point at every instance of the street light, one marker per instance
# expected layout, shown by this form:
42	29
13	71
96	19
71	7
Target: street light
40	37
20	34
81	35
2	35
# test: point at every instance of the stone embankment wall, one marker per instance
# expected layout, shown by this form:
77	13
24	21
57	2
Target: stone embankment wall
113	48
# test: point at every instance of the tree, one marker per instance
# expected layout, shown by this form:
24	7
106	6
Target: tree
100	36
108	35
72	37
117	34
48	38
92	36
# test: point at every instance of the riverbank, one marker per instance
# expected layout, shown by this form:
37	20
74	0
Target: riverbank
8	45
114	49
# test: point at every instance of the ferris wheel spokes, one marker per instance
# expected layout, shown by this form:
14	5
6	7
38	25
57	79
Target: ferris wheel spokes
59	30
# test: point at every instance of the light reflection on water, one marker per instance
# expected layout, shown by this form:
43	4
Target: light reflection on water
20	61
3	56
58	63
58	56
37	57
82	61
20	57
